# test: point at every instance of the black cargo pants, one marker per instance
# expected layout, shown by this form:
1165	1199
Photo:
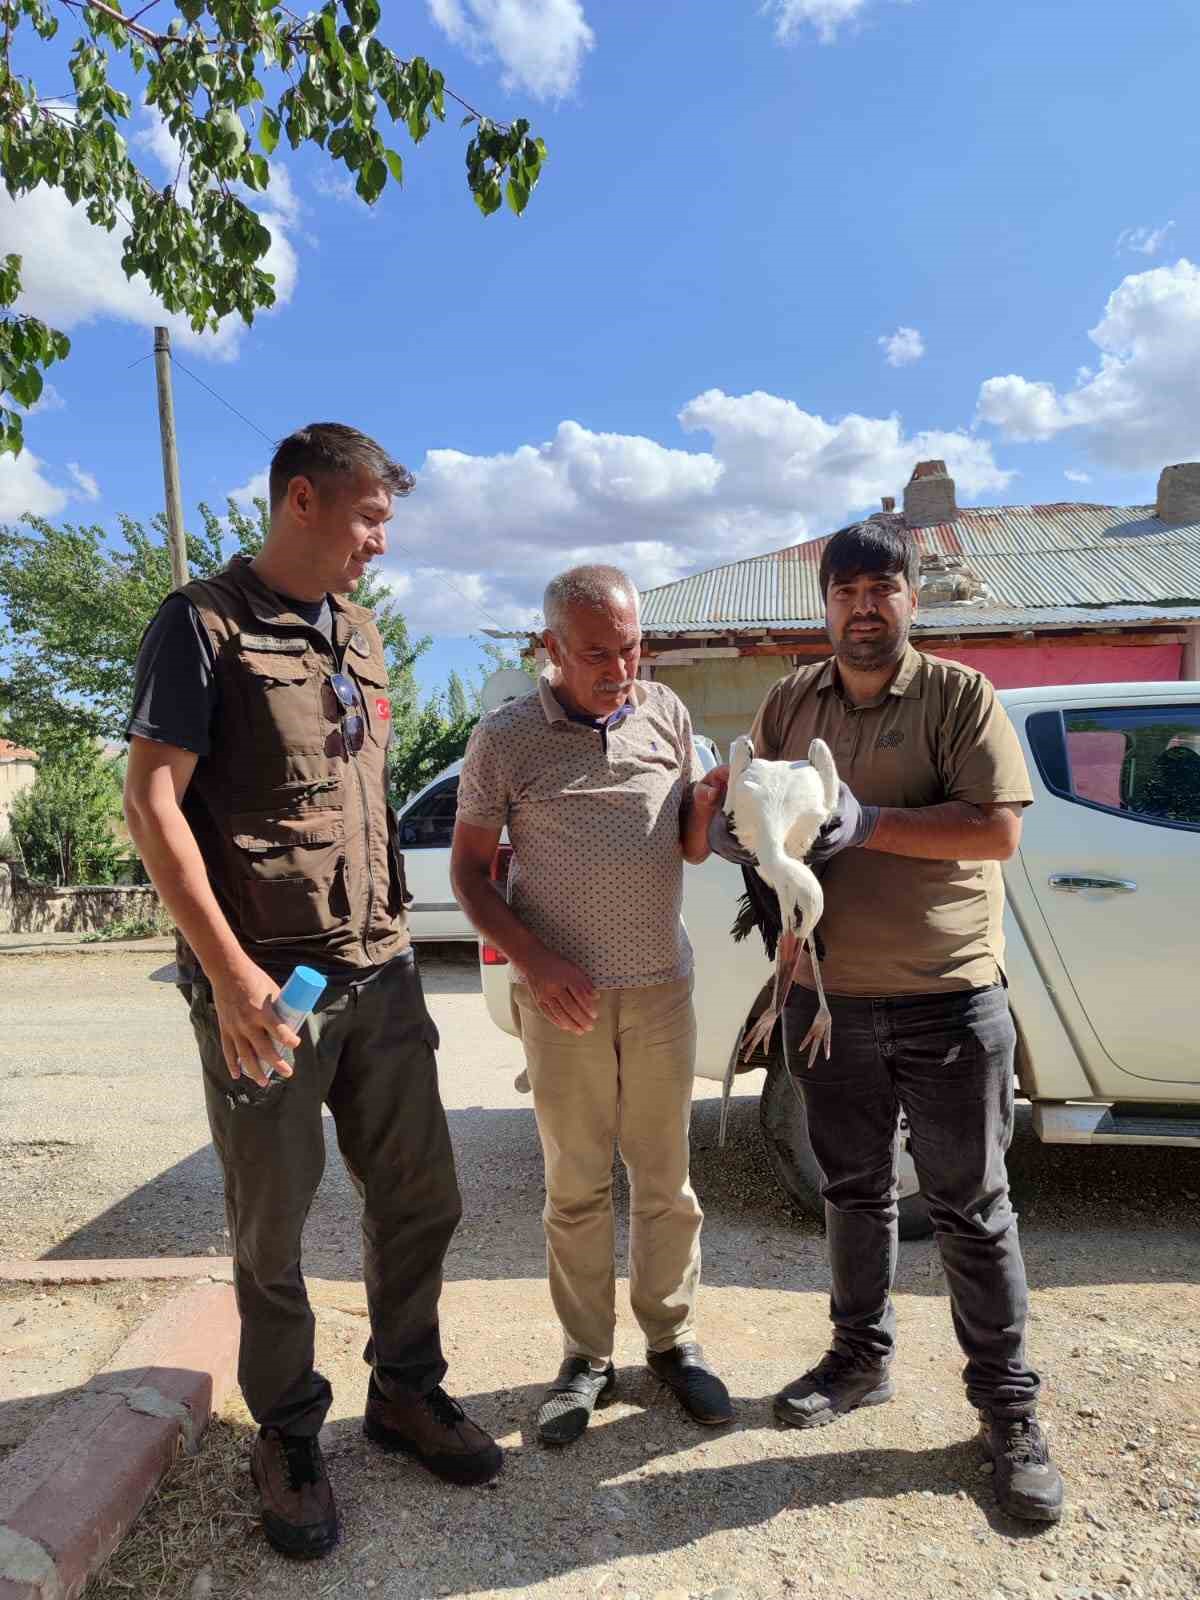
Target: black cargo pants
367	1053
948	1059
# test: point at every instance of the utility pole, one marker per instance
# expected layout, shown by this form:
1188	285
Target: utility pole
170	460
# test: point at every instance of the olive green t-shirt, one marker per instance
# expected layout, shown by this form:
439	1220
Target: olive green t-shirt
892	924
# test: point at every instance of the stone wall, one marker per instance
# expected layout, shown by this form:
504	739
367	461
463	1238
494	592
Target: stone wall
27	907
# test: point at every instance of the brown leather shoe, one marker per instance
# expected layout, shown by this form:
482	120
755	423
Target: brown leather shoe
435	1431
298	1512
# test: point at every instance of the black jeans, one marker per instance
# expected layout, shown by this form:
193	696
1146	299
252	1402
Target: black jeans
948	1059
367	1053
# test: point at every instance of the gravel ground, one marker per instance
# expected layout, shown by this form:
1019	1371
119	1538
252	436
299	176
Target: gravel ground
53	1339
106	1153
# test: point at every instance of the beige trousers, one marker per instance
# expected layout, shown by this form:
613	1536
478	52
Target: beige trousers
628	1082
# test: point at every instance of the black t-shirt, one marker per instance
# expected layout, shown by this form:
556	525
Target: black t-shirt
175	691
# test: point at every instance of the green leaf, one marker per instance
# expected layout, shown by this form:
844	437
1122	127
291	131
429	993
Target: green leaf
395	165
191	10
268	131
232	135
26	387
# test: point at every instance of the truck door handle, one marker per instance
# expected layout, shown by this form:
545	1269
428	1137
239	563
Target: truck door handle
1073	882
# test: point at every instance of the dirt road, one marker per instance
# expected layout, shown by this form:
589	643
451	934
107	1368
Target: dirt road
105	1153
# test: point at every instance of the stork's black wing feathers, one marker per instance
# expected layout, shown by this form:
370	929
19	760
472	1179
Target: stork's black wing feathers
758	908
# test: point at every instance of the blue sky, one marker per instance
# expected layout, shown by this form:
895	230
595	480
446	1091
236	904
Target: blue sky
779	252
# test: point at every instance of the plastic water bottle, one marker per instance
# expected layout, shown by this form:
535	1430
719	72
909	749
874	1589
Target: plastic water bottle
293	1003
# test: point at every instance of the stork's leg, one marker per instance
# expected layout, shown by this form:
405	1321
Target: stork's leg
787	960
822	1024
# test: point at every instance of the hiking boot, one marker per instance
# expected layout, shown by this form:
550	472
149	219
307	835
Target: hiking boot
1028	1484
568	1403
299	1516
694	1383
435	1431
836	1384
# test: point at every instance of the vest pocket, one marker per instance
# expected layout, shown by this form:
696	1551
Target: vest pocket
373	686
282	693
291	875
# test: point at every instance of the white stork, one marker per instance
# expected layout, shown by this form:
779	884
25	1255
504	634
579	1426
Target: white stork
776	809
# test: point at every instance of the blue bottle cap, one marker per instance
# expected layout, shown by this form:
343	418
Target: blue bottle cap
303	989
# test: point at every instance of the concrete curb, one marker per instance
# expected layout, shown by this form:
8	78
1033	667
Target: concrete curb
146	1269
30	945
69	1493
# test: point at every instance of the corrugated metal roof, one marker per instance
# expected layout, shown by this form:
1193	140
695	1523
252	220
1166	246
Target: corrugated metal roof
1046	558
959	619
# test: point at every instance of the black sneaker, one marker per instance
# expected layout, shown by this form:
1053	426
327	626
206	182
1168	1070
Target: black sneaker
836	1385
298	1512
1028	1484
694	1383
568	1403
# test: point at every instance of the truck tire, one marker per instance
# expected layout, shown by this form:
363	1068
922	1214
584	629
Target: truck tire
785	1132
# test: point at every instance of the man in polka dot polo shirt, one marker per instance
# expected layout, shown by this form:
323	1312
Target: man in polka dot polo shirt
596	778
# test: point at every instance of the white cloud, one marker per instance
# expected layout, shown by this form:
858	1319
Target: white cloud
540	44
85	482
72	274
825	17
1140	408
24	489
258	488
903	347
1145	241
772	474
48	400
1074	476
333	187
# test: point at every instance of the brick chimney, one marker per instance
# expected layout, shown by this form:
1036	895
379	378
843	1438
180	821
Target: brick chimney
929	495
1178	498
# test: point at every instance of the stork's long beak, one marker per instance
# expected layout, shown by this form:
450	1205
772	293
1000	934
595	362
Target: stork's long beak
741	754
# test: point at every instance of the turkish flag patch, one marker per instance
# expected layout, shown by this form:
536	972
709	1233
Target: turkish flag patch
383	708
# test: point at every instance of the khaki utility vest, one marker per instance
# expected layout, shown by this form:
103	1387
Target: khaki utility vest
296	832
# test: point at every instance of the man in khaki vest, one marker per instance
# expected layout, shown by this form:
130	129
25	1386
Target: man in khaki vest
257	797
933	786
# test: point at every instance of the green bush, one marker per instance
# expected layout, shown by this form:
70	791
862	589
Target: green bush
134	926
63	825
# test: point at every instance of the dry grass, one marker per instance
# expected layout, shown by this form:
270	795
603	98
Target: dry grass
203	1518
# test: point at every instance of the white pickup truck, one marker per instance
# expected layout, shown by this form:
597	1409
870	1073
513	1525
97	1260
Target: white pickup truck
1102	927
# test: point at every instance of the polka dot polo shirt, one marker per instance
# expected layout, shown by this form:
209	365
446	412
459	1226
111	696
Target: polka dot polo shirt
593	817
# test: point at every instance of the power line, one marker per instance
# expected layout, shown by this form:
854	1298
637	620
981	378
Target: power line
176	362
449	584
441	578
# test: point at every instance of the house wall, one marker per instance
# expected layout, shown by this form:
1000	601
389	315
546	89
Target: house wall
723	695
1026	666
15	778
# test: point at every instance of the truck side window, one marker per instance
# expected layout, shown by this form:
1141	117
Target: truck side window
429	825
1141	761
